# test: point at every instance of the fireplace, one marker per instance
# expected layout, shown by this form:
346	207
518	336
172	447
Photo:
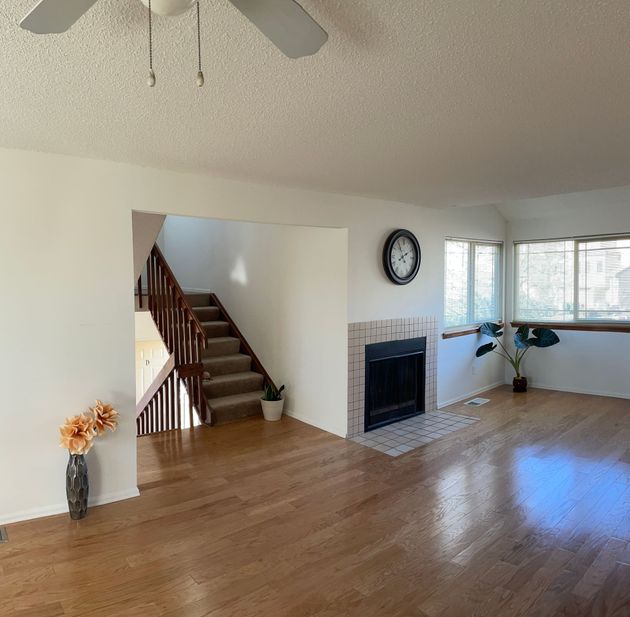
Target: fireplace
394	381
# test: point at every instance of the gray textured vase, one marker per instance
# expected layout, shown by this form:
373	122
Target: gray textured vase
77	486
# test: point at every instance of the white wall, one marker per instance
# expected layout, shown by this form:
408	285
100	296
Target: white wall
589	362
286	288
66	271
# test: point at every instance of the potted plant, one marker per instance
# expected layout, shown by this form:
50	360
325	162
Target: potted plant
542	337
272	403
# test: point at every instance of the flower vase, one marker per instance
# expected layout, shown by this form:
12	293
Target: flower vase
77	486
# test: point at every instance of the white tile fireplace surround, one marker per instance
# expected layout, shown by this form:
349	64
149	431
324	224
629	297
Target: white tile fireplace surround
367	332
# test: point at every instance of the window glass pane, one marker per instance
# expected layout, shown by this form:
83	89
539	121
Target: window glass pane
456	283
487	282
472	282
545	281
604	279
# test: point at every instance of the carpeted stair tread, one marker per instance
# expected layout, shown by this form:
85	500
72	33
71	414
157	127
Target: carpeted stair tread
207	313
229	363
233	383
221	346
196	300
229	408
216	328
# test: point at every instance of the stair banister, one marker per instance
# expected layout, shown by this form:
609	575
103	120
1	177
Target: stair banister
184	337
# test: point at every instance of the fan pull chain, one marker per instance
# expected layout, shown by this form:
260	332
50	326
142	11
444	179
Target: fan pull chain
151	78
200	78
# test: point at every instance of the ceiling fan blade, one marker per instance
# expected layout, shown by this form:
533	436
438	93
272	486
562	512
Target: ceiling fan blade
286	24
53	16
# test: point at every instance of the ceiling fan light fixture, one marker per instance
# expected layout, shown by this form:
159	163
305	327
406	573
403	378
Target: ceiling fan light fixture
170	7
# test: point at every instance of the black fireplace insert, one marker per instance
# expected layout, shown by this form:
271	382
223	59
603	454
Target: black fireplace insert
394	381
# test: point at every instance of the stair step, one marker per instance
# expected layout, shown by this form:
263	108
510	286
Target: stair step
229	408
216	328
207	313
234	383
202	299
221	346
224	365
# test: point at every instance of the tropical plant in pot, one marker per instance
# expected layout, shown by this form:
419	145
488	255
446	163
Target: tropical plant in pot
542	337
272	402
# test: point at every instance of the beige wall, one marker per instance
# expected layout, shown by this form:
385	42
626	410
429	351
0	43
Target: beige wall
66	270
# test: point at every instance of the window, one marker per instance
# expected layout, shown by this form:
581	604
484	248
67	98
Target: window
472	282
573	280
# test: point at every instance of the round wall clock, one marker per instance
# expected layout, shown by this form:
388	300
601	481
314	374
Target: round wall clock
401	257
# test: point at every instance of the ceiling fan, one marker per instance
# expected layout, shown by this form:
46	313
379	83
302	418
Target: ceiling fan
284	22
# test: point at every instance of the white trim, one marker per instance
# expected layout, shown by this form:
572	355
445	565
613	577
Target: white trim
195	290
578	390
25	515
463	397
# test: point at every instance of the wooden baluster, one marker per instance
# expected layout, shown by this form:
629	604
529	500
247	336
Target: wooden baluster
178	338
190	401
149	285
178	417
168	339
161	408
156	291
161	300
171	387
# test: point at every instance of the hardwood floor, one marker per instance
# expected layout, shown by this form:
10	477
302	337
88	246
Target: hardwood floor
524	513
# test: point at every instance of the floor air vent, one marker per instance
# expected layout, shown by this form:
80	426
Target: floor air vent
476	402
4	536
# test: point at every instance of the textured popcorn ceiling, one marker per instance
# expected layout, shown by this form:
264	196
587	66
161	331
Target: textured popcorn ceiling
432	102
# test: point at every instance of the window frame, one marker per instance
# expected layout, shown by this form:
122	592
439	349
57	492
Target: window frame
577	322
471	327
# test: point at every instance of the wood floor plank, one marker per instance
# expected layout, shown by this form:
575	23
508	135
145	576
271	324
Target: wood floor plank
524	513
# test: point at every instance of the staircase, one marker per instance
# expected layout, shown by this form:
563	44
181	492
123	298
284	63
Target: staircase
236	377
209	357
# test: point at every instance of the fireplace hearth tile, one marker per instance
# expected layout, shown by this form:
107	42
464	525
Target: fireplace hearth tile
412	433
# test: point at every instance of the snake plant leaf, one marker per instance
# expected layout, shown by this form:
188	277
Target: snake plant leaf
484	349
490	329
543	337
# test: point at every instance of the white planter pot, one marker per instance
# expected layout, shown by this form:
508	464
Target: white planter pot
272	410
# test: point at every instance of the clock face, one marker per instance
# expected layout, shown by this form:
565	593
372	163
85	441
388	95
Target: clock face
401	257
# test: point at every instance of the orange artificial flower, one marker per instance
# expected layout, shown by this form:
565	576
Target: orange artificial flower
105	416
77	434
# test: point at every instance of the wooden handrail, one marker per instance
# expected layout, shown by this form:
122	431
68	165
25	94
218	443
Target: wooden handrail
156	384
179	292
246	347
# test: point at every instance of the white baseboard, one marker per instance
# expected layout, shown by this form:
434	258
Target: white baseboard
471	394
195	290
578	390
62	508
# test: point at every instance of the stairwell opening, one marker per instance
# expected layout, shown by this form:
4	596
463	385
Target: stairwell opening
271	301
